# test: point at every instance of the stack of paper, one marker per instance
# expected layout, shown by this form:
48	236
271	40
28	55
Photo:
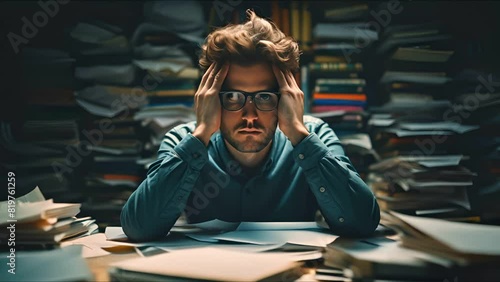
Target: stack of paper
358	147
103	54
471	247
381	258
423	185
35	220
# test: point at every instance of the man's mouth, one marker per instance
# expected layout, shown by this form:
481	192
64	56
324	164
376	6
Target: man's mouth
249	131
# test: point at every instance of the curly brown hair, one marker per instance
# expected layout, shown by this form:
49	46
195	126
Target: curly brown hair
256	40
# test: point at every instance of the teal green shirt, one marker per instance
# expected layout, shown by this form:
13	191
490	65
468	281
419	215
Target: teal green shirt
294	182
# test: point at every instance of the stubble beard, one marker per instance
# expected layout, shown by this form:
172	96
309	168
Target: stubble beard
251	144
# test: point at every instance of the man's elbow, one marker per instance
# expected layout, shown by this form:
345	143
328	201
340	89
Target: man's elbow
368	221
362	224
135	230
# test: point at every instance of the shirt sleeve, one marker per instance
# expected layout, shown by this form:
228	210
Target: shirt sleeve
154	207
346	202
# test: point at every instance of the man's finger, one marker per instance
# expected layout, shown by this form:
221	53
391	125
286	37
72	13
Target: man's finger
280	77
211	76
206	75
220	77
291	79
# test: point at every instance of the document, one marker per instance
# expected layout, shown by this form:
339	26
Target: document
465	238
298	225
92	246
211	264
270	237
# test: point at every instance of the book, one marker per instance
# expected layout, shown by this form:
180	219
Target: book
336	67
340	96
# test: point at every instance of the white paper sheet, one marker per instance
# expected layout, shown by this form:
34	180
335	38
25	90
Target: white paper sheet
212	264
270	237
466	238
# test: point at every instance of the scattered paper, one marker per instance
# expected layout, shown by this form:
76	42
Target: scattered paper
212	264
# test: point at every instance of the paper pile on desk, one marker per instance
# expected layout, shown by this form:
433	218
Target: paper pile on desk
225	251
382	258
301	240
38	221
471	248
435	186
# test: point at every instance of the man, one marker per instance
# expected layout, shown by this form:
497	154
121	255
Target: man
251	155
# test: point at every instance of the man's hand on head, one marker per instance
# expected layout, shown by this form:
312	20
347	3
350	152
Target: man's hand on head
291	107
207	103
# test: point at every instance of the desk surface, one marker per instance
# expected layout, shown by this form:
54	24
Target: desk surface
99	265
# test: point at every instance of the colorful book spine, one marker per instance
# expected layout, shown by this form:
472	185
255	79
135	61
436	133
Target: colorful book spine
342	81
339	102
339	96
336	67
339	88
322	108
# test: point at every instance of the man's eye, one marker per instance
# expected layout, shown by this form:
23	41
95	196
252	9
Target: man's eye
232	97
264	97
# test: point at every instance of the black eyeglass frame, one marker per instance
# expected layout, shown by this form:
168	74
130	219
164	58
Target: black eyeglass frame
251	94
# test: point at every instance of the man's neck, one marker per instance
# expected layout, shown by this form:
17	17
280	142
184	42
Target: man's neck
249	161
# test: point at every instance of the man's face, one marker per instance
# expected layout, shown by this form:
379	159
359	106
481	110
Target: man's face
249	129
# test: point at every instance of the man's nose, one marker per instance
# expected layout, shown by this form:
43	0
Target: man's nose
249	110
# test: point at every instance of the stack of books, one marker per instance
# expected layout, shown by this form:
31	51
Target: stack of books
344	94
341	39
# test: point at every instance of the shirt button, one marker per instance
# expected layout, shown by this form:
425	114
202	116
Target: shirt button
341	219
301	156
196	155
322	189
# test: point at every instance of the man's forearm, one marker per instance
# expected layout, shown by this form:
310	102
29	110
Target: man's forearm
153	208
346	202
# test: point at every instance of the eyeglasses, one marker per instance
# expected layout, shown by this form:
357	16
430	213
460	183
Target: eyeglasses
235	100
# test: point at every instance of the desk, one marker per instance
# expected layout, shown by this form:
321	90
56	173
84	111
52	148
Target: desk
99	265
